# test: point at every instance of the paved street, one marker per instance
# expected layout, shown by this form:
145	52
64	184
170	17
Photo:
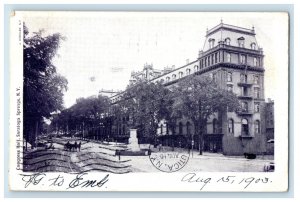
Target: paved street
96	156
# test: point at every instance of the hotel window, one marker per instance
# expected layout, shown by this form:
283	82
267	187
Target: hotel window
253	46
255	62
244	91
256	106
256	79
180	74
257	126
188	71
242	59
216	57
180	128
168	79
245	127
167	128
243	78
196	68
188	128
228	57
227	41
230	126
212	59
205	64
208	61
229	76
230	88
244	106
215	126
214	77
256	92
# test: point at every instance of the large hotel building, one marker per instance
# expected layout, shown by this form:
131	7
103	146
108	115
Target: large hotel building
232	57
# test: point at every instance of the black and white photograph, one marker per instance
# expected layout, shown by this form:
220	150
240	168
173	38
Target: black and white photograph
193	97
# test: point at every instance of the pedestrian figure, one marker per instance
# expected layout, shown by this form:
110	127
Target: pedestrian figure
79	145
75	146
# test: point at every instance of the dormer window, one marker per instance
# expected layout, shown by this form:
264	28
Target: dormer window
241	42
227	41
168	79
211	43
253	46
174	76
188	71
180	74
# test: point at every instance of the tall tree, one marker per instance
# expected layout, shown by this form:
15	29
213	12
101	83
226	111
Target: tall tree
200	97
146	104
43	86
86	113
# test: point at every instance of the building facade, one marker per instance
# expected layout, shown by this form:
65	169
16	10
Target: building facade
269	117
232	57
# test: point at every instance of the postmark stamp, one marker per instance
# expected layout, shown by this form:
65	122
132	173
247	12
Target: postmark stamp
170	161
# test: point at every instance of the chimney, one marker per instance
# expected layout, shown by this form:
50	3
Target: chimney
173	67
187	61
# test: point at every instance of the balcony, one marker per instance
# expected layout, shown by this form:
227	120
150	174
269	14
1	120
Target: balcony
245	112
244	84
245	96
232	49
245	135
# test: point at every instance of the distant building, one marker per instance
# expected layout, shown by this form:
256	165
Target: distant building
108	93
269	116
148	73
269	123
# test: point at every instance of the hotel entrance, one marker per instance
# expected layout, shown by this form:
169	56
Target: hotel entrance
213	143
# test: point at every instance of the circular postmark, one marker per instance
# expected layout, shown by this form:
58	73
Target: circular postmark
169	161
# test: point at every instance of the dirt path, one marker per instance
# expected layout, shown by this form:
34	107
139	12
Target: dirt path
92	157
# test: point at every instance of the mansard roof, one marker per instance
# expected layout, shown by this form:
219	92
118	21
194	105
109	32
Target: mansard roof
224	31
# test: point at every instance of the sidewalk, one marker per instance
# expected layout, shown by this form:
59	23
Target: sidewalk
209	155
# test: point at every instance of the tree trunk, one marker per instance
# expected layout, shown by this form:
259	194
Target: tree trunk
173	134
36	133
200	143
198	129
201	134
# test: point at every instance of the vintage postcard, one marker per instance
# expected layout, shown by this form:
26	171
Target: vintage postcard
149	101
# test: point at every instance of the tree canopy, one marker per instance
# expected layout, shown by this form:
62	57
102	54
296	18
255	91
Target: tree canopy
199	97
146	104
43	86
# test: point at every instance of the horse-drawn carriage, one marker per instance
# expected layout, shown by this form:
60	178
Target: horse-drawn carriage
72	146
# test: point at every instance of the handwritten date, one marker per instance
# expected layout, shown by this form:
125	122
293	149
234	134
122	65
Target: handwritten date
226	180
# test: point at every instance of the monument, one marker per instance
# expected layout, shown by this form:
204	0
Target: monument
133	141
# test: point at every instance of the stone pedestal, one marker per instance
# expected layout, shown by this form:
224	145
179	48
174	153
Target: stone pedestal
133	141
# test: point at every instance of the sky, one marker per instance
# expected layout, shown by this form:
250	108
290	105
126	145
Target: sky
108	46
